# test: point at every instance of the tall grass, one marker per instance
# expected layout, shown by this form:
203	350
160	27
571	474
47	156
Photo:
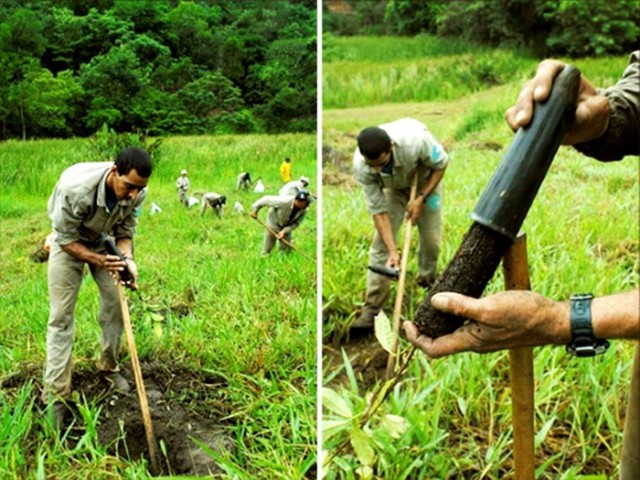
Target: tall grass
383	49
582	235
364	71
229	311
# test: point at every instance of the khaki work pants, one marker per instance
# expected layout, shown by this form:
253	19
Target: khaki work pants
429	229
65	278
183	197
630	458
270	240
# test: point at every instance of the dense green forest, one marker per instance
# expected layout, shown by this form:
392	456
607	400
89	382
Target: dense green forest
68	67
573	28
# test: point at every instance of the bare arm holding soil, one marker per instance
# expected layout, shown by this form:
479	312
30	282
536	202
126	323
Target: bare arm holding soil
516	319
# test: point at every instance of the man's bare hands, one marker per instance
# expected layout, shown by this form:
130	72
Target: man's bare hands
115	266
505	320
394	260
414	210
592	109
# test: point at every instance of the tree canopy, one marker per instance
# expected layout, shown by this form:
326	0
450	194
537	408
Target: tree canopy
544	27
68	67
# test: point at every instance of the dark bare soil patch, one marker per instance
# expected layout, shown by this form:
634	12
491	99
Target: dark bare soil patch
367	358
186	410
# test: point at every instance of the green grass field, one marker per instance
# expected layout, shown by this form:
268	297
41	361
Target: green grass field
451	418
246	319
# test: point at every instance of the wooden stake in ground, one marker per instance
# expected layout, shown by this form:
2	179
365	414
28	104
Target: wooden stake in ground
142	393
397	308
516	277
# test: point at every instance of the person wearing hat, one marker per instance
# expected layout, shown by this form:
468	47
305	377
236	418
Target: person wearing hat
285	214
182	184
385	162
295	186
285	170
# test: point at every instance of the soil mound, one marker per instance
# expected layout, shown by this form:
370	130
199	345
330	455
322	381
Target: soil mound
186	411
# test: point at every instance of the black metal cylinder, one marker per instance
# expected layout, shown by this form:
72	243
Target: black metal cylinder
504	204
507	197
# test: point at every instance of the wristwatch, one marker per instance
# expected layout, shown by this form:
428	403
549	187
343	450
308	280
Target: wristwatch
583	341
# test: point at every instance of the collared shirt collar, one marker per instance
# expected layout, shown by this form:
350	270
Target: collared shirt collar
101	199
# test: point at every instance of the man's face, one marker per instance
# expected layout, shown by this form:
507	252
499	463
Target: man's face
379	163
128	186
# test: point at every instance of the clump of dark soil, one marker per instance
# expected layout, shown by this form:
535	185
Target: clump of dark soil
186	409
468	273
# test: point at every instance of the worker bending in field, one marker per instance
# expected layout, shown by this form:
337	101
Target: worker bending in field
214	201
285	215
89	200
385	162
244	181
295	186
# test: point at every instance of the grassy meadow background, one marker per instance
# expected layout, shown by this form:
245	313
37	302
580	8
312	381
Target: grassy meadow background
451	418
248	319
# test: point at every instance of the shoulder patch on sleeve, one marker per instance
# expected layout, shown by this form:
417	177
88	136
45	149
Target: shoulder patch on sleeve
436	151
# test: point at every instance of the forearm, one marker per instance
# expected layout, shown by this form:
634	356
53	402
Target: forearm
125	245
79	251
382	223
432	182
617	316
612	316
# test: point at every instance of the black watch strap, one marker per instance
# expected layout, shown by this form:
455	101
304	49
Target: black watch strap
583	341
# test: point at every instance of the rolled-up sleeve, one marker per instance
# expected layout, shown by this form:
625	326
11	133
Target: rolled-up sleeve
371	187
623	133
432	154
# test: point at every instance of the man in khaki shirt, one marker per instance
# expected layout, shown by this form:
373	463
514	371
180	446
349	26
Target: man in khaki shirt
387	159
91	199
285	215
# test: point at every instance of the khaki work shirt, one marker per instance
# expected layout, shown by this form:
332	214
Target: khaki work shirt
414	150
280	208
78	211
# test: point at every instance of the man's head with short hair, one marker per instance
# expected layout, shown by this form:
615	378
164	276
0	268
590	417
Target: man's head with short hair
288	160
134	158
372	143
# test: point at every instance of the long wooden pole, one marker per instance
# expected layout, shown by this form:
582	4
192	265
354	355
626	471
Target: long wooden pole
289	244
137	372
397	308
516	276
